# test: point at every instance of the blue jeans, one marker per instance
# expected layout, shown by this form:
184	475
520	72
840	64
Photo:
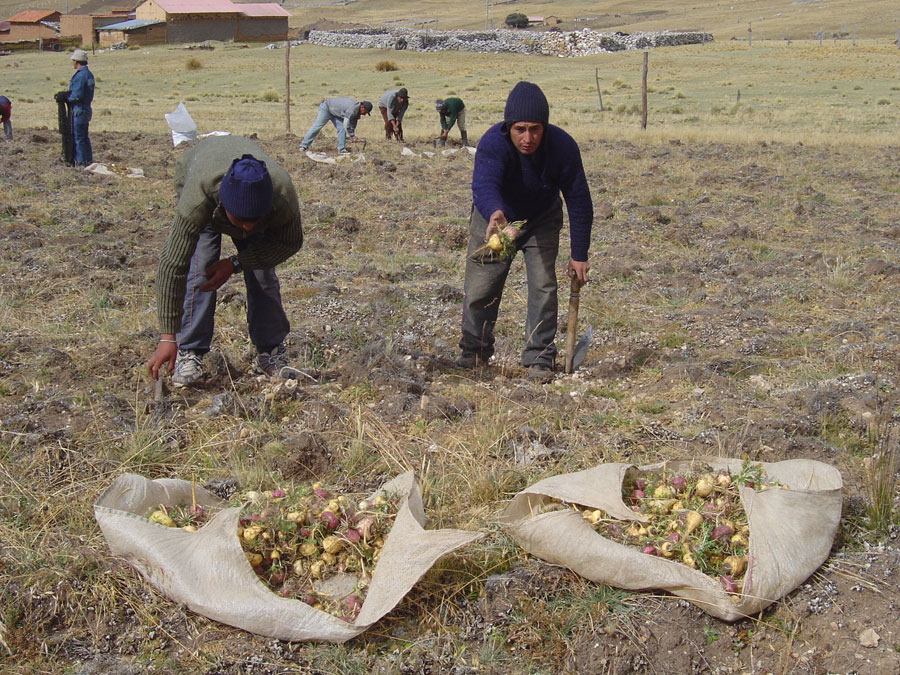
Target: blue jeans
267	322
486	275
81	118
322	118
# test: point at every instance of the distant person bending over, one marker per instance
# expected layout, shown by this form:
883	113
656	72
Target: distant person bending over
344	113
393	104
5	113
521	167
452	111
79	97
225	185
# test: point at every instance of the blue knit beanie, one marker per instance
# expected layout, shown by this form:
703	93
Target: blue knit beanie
526	103
246	189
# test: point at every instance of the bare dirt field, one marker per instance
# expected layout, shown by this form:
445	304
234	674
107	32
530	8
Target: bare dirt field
743	301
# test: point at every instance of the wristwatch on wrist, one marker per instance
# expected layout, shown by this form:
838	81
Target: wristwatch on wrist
237	263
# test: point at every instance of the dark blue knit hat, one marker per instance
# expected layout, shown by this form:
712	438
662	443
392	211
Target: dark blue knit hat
246	189
526	103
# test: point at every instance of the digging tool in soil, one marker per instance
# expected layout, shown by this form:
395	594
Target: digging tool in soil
575	353
160	406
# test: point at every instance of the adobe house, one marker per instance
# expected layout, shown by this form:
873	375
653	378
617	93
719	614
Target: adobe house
262	21
198	20
133	32
33	24
87	25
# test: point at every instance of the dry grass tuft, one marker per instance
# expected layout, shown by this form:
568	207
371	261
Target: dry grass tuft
386	66
881	483
193	63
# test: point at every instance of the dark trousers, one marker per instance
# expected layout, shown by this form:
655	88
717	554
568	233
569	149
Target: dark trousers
486	275
266	320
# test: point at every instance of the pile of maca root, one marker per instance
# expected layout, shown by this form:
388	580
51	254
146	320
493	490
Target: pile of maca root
695	518
296	539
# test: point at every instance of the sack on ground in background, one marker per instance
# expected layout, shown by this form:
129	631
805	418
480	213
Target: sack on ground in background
791	532
208	571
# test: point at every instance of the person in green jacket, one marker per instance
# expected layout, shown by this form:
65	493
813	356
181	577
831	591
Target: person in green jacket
225	185
452	111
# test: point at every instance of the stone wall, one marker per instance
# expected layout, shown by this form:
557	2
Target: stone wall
553	43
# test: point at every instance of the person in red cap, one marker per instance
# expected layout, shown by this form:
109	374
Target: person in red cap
225	185
522	166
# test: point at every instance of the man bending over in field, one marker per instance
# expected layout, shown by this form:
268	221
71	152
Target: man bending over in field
521	166
225	185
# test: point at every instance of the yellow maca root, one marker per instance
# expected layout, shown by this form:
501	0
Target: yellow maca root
503	242
160	517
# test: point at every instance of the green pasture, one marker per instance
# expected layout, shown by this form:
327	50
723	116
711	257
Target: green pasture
834	93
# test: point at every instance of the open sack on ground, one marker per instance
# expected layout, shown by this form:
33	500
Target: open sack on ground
208	571
791	532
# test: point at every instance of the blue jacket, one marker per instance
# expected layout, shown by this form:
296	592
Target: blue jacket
523	186
81	89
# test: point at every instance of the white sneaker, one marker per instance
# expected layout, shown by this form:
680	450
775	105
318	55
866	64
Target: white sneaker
188	368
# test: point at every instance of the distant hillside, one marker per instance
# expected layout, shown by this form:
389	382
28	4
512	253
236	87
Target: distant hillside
763	19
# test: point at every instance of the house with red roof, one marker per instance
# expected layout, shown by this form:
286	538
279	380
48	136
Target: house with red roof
33	24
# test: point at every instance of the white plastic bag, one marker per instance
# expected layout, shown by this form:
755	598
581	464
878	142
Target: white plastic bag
791	533
182	125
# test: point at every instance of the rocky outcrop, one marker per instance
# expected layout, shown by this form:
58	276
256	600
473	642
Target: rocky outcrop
552	43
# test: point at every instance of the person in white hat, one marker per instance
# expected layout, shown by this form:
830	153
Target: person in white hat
79	97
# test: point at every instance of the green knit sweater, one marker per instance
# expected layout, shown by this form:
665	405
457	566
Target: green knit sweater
276	237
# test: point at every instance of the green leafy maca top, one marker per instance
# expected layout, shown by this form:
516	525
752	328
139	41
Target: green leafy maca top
276	237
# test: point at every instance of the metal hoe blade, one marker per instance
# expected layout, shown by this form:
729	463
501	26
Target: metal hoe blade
581	348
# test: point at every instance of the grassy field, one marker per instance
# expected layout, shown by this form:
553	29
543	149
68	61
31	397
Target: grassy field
719	91
769	19
743	293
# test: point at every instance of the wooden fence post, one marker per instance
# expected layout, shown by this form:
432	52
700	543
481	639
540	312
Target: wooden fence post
287	86
597	80
644	92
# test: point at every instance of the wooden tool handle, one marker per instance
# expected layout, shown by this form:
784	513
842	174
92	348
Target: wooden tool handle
572	326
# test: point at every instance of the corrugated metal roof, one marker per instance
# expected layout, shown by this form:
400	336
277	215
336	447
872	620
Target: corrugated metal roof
131	24
262	9
198	6
32	15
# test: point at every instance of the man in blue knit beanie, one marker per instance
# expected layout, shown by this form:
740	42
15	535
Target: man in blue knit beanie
225	185
522	165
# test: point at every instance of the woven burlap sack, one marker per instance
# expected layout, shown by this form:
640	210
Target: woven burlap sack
791	533
208	572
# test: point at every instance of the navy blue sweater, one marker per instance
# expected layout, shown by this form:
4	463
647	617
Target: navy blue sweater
523	186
